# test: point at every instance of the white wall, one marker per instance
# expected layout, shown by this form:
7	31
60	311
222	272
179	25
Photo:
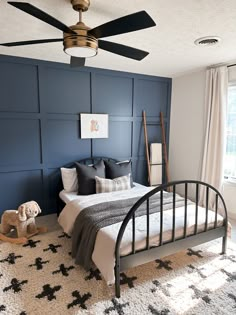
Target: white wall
187	126
187	131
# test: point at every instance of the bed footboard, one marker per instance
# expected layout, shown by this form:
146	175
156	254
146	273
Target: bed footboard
177	243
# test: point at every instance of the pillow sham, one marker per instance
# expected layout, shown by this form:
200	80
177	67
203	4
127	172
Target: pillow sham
86	177
104	185
114	170
69	179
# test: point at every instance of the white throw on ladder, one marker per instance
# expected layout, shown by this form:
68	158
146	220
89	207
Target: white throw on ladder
155	164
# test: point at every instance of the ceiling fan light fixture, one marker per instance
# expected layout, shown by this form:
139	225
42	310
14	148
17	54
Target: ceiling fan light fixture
81	45
81	52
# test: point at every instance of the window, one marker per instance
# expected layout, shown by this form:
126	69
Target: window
230	155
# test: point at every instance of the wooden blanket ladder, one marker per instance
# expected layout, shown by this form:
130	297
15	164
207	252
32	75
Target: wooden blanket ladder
163	137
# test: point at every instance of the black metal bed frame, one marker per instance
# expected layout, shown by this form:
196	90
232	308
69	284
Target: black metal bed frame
150	253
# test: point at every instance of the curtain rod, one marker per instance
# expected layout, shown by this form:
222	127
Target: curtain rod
231	65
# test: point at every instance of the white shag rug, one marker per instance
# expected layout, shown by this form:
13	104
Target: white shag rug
40	277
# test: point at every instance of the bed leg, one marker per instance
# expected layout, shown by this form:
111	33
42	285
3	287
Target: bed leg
224	245
117	280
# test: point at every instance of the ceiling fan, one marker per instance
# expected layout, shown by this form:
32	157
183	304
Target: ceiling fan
80	41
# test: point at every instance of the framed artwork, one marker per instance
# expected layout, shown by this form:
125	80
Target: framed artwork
94	126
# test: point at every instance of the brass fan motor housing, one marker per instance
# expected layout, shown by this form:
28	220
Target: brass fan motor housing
82	39
82	5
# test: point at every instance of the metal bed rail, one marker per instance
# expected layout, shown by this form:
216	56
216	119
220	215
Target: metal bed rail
149	253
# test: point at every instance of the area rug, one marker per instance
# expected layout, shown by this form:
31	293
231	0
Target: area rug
40	277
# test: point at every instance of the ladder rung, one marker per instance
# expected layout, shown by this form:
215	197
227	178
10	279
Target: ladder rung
156	164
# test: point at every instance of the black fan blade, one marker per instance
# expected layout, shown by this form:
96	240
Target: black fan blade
129	23
39	14
32	42
122	50
77	62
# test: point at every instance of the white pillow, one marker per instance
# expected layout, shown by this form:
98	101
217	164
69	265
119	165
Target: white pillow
104	185
69	179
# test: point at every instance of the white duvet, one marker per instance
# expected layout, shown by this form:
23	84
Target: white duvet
103	254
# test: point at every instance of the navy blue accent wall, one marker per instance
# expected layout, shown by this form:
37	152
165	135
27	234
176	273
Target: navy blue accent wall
40	104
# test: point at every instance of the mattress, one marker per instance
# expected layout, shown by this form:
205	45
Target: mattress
103	254
68	196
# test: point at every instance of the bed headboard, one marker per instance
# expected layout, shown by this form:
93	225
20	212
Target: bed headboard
93	160
90	160
86	161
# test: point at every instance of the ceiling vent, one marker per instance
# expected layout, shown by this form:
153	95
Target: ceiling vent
207	41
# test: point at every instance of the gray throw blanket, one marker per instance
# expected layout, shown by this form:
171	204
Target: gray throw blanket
91	219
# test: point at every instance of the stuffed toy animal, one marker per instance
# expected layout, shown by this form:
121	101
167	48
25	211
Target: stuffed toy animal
23	220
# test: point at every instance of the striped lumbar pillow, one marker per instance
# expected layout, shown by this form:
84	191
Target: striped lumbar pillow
104	185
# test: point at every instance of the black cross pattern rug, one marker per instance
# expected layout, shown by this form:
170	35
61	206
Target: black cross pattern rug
41	278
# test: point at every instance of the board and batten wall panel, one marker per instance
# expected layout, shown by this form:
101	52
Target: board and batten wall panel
20	141
118	131
64	91
40	123
19	88
152	95
119	99
63	143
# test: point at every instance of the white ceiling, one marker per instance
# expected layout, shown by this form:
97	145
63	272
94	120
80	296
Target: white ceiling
170	43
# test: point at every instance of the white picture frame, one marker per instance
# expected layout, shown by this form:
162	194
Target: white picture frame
93	126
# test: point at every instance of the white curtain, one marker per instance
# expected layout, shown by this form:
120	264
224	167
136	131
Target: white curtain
214	148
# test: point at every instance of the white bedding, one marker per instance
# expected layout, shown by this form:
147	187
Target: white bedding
103	254
76	203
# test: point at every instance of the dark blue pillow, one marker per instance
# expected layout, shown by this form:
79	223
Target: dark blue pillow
86	177
114	170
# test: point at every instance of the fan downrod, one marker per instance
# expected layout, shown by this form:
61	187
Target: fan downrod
80	5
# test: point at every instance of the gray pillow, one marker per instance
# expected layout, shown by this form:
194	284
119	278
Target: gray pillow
104	185
86	177
114	170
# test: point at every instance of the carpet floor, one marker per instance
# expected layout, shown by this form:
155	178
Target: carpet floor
40	277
